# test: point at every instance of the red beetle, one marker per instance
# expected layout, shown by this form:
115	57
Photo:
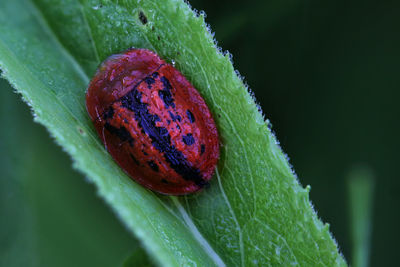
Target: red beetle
153	122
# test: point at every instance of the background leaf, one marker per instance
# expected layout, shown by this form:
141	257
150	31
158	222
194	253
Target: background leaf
255	212
360	190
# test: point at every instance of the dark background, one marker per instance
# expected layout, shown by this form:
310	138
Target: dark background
326	74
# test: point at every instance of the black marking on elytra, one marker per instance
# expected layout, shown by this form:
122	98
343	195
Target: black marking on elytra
142	17
145	153
166	83
109	113
149	80
174	117
164	181
164	132
155	118
188	139
178	162
134	159
171	115
155	74
202	149
165	93
153	165
169	122
190	116
160	138
122	133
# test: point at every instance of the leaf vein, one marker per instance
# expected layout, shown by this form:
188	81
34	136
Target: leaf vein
89	29
241	246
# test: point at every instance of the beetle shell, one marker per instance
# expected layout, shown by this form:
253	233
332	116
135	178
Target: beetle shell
153	122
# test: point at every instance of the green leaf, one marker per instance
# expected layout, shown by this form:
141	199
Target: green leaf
254	213
49	215
360	184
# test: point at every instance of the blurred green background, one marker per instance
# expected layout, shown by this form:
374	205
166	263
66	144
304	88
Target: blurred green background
325	74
